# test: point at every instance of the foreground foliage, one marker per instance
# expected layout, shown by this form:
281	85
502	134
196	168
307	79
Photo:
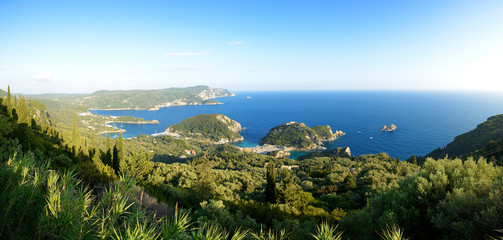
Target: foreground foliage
54	187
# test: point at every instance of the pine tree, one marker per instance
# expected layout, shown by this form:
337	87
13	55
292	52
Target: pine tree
109	145
22	111
14	105
74	132
108	154
115	159
414	160
118	155
120	147
271	193
8	101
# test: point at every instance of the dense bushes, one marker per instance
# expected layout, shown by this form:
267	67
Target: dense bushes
447	199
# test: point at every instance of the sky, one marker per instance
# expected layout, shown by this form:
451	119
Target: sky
85	46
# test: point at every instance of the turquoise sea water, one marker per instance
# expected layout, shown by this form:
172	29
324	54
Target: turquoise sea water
425	120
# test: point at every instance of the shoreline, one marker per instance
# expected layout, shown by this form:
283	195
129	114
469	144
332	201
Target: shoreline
133	122
112	131
155	108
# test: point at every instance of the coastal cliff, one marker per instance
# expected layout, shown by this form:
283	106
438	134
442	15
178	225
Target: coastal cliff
326	134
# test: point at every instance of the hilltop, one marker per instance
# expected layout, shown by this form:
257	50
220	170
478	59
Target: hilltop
299	135
208	126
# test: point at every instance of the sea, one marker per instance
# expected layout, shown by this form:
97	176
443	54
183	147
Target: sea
425	120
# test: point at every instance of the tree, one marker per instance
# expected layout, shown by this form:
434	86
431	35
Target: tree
120	147
115	159
205	185
349	182
8	101
23	111
271	193
138	165
414	160
74	132
108	153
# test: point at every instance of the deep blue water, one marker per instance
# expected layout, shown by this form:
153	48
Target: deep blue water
425	120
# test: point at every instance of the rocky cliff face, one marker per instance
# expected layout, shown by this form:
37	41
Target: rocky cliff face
231	124
214	93
326	134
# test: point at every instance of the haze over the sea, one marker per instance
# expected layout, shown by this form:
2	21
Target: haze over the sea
84	46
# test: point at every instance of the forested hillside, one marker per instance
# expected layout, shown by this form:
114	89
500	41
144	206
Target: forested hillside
140	99
299	135
81	187
483	134
208	126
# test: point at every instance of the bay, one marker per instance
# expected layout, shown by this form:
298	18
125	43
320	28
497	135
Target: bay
425	120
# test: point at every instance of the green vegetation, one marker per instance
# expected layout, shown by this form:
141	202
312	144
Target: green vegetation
208	126
80	186
483	134
324	132
447	199
131	119
298	135
140	99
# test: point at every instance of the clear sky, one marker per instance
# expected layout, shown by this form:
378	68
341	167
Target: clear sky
84	46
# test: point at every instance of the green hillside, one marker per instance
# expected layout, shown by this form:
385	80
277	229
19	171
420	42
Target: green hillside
292	134
73	185
137	99
484	133
208	126
299	135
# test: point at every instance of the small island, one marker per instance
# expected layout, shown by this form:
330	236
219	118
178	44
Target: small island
213	127
299	136
389	128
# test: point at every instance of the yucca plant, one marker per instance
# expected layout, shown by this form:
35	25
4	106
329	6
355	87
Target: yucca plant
21	196
239	234
325	231
66	214
391	233
177	226
269	235
114	207
209	232
138	229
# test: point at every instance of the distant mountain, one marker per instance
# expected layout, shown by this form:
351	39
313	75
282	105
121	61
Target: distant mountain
464	144
299	135
141	99
3	93
208	126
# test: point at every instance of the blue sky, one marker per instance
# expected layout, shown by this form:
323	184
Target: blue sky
84	46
